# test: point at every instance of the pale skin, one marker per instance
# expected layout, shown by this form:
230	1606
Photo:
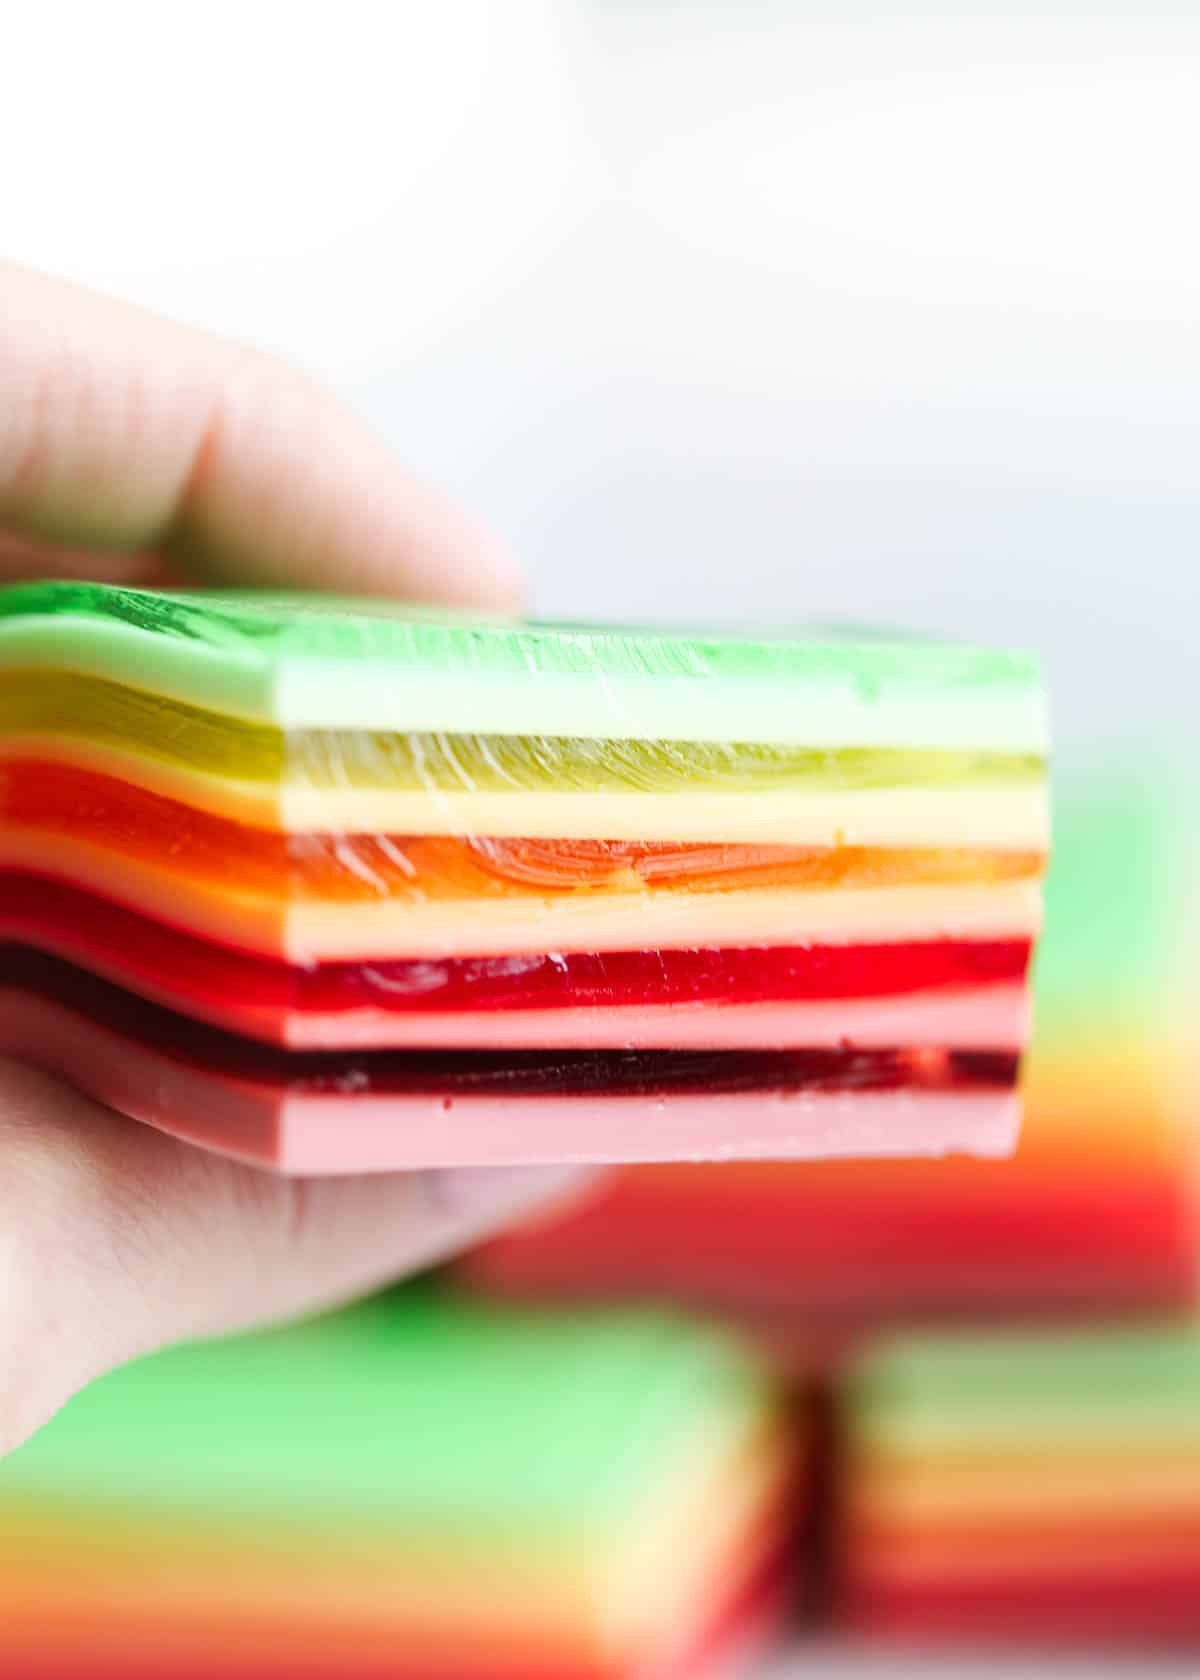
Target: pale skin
137	450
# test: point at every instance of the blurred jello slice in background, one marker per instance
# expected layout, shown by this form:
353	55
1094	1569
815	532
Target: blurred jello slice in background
998	1485
421	1487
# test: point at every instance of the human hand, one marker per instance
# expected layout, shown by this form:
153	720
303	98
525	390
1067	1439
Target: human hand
141	452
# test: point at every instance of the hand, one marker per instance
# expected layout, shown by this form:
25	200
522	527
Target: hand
139	451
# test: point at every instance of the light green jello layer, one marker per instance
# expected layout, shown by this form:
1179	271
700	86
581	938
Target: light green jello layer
302	661
990	1389
417	1411
1121	942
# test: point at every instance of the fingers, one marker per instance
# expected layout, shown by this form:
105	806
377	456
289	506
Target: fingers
115	1239
23	560
134	448
125	433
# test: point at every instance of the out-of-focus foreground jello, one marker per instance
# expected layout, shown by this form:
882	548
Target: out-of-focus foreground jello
336	886
420	1488
1003	1485
1097	1209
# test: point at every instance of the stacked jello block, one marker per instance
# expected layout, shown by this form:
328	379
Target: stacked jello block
336	886
1024	1485
1096	1211
420	1489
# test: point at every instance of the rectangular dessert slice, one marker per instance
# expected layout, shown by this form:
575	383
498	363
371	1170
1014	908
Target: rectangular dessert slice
1020	1486
419	1488
335	827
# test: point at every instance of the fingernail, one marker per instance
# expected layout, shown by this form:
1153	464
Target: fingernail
497	1192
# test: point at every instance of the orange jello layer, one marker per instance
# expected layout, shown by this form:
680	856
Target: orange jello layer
148	830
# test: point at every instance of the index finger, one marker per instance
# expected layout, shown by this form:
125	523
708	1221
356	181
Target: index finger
126	433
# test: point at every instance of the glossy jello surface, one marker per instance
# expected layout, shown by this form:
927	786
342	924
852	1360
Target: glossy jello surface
275	868
101	812
473	782
35	909
56	703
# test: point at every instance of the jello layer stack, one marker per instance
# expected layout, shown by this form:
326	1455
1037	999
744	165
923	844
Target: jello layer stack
1095	1212
340	887
418	1490
1001	1485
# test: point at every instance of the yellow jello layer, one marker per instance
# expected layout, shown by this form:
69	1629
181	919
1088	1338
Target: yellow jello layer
495	784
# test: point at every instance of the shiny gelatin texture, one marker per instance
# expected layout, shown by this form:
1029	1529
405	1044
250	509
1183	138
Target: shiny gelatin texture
147	955
87	709
94	812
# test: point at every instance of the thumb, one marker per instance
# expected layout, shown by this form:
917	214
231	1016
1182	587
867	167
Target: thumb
116	1239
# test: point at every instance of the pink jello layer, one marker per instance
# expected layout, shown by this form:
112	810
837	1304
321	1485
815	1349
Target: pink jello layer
996	1016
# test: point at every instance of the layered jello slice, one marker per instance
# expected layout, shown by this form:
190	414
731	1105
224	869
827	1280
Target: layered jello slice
261	857
421	1489
1002	1485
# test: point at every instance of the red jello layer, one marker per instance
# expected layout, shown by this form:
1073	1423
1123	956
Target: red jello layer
82	1641
516	1073
234	988
1140	1604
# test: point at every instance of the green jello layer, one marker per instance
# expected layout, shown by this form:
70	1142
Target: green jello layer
316	662
418	1410
936	1389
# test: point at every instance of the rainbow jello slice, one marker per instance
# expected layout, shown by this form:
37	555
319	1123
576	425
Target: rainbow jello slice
347	828
420	1489
1025	1486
